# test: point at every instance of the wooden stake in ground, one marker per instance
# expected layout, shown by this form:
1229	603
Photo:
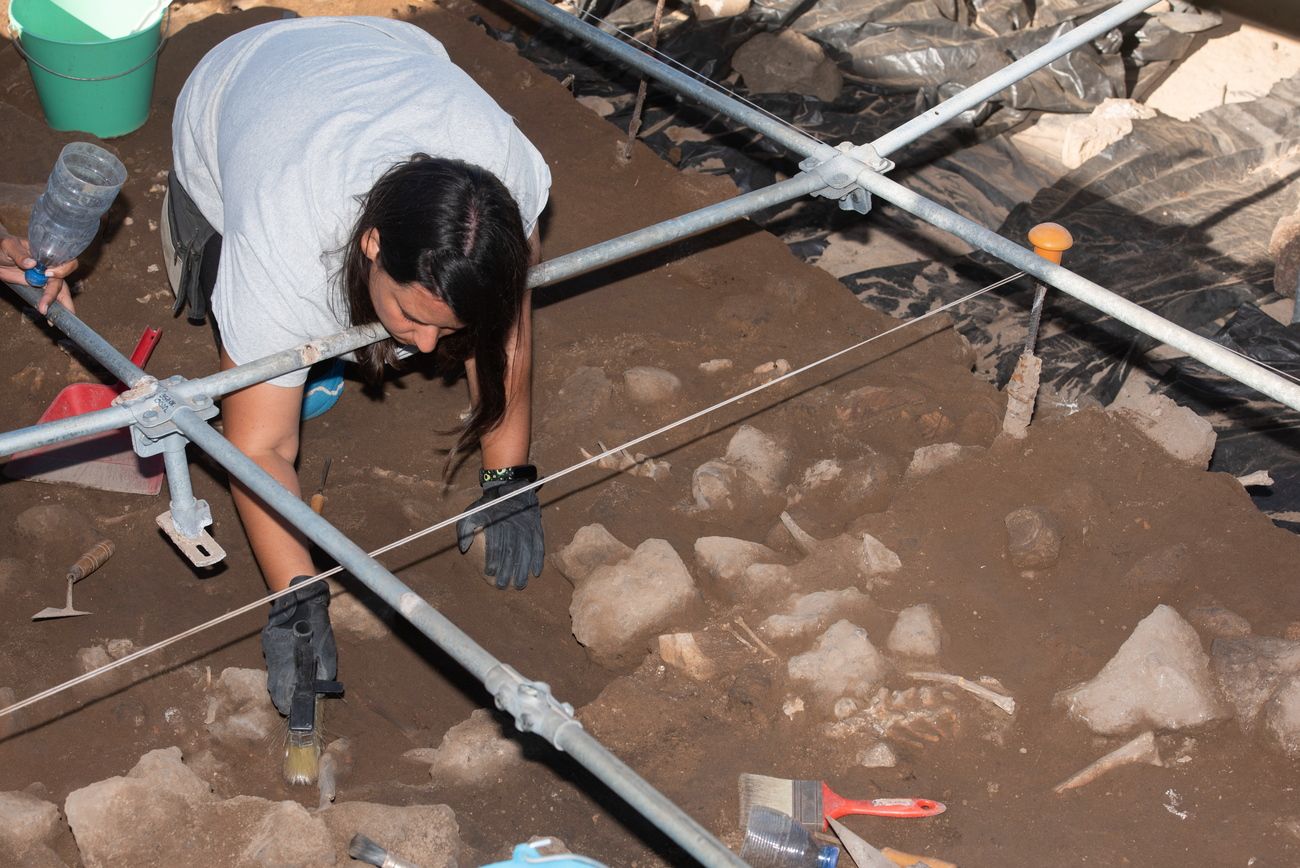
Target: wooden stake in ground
634	126
1050	240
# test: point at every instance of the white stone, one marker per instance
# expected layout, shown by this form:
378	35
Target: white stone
716	366
26	820
119	648
878	756
592	546
1159	679
759	457
806	614
877	558
1282	716
917	632
358	612
764	582
1109	122
1181	432
622	604
843	662
90	659
475	751
726	558
241	708
712	484
646	385
930	458
708	9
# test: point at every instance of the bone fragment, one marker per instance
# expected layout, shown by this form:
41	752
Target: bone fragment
638	465
1259	477
767	649
806	541
1140	750
1022	392
1006	703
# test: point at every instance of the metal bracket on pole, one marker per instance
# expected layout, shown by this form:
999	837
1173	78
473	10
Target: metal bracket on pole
840	172
153	404
530	703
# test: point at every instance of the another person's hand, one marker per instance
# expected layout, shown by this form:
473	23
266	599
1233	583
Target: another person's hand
16	258
310	604
512	529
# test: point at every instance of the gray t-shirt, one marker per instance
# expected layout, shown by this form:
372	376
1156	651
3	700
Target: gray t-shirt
281	127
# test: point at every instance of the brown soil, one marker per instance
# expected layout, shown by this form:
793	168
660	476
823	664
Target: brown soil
738	294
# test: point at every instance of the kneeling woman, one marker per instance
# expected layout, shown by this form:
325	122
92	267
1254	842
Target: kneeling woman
331	172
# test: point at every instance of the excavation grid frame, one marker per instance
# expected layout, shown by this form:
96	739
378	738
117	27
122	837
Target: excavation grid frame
165	416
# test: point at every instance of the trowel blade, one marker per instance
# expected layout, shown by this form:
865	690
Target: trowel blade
50	612
863	854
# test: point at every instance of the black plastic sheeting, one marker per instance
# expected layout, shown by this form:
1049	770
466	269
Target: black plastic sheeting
1175	217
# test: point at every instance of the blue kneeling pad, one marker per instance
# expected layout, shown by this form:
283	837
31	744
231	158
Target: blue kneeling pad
323	387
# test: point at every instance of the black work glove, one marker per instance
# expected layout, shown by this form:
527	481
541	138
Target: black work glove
310	604
512	530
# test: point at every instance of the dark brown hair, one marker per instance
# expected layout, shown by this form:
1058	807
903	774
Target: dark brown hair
454	229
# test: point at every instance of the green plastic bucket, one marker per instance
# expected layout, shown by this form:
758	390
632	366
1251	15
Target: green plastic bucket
93	72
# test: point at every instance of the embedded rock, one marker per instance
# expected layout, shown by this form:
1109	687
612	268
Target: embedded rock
879	756
424	835
582	395
1282	716
53	525
240	709
1250	670
592	546
843	662
646	385
877	558
725	559
712	484
1181	432
709	9
917	632
1219	622
1159	679
787	62
622	604
1160	570
1109	122
90	659
1033	540
476	750
857	487
26	821
759	457
357	611
928	459
805	614
763	582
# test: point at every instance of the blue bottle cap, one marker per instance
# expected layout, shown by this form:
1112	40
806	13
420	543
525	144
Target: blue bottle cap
36	275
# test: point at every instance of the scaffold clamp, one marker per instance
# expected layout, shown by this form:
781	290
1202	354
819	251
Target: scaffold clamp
530	703
840	172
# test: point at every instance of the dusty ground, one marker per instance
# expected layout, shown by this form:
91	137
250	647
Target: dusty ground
738	295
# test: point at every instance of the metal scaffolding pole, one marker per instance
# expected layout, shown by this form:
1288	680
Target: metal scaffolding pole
1221	359
1009	75
872	181
261	370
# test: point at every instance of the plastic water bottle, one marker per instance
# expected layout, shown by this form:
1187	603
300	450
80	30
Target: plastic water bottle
65	218
773	840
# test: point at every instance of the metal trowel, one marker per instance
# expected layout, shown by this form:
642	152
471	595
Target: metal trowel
862	853
85	565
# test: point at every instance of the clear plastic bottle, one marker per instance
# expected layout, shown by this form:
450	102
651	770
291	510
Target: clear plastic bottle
773	840
65	218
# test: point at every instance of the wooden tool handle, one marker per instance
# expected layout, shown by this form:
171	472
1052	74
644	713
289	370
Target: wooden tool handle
905	859
317	502
91	560
1050	240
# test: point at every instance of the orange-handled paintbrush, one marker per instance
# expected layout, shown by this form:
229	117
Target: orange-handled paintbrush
810	803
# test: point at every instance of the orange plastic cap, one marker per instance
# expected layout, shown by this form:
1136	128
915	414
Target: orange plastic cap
1050	240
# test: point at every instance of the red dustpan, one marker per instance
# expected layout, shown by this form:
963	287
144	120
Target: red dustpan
104	461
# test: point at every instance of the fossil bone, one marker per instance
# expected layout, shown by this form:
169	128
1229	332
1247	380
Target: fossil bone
1140	750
